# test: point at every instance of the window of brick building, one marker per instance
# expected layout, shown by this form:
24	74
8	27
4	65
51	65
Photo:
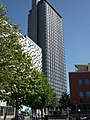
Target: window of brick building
80	82
88	94
80	94
87	81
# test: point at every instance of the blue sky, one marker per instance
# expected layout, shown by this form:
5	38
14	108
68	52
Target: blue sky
76	26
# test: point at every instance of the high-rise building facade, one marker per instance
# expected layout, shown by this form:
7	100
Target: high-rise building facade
45	29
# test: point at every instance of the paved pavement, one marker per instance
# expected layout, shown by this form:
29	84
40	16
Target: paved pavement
31	119
27	118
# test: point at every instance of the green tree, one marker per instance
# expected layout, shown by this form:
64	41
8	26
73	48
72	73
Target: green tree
15	65
40	92
64	101
52	98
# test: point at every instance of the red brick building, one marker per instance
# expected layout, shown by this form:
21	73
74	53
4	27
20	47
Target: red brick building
80	89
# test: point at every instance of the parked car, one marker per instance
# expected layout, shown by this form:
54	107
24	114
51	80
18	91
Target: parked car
83	118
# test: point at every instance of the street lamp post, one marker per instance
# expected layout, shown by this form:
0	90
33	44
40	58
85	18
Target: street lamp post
79	113
68	112
76	108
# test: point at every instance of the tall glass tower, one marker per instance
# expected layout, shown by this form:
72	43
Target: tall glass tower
45	29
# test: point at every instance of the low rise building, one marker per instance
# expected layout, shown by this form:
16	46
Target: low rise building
33	50
80	89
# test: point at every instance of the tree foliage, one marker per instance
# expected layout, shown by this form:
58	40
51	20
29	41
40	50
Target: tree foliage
64	101
15	65
41	94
